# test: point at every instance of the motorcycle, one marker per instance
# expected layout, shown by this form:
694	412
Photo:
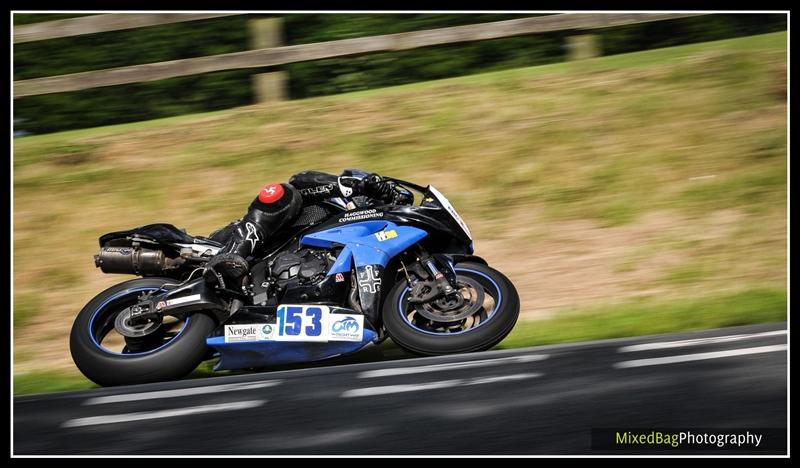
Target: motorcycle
347	274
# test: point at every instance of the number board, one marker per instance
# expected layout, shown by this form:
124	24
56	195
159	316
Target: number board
307	323
302	323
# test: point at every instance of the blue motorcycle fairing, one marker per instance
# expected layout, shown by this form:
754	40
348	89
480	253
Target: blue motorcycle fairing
242	355
365	243
370	245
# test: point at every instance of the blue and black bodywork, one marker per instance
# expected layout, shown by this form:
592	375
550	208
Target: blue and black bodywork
346	274
363	249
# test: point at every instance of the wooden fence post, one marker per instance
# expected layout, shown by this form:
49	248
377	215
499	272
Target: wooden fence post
266	33
583	47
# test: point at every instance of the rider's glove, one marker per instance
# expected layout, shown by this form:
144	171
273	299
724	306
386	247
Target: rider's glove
375	186
401	196
387	191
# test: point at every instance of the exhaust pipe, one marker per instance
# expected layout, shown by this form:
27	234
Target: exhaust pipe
133	261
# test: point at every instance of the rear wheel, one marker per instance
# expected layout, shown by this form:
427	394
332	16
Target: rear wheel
151	352
481	317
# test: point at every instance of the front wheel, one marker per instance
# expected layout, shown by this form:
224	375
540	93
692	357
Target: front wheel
485	314
167	350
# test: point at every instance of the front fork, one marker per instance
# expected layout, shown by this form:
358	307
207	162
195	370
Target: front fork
437	277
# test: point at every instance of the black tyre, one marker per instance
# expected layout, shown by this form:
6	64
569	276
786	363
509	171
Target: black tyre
490	310
107	358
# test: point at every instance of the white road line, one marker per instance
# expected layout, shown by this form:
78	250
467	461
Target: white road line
697	341
455	365
145	415
181	392
500	378
698	357
388	389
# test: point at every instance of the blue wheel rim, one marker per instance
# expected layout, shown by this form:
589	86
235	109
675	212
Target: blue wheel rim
103	309
498	297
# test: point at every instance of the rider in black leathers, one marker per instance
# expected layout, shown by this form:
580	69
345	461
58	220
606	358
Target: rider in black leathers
277	205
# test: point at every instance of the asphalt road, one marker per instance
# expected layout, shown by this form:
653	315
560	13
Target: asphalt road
543	400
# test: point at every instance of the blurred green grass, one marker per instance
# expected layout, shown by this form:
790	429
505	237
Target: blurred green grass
649	317
672	161
50	381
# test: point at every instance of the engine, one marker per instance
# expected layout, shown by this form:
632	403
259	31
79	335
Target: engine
306	266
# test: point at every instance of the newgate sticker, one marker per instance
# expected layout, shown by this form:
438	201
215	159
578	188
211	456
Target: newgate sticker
250	332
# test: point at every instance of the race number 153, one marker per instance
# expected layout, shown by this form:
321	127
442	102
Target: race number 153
302	323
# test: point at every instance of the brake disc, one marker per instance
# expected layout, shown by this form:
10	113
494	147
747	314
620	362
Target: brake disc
467	301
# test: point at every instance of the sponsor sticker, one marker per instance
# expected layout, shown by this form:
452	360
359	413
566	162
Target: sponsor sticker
249	332
339	277
267	331
385	235
359	215
181	300
237	333
346	327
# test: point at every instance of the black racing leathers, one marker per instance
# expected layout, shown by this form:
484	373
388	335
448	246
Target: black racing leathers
316	186
276	206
